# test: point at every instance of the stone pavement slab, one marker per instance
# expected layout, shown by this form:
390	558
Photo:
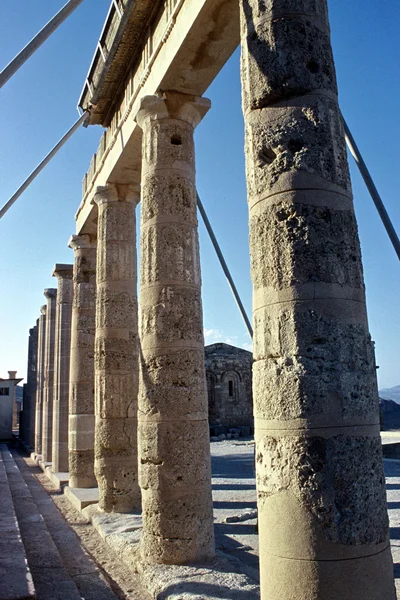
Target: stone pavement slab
82	497
15	577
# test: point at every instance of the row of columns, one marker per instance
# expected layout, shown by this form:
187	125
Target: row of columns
137	411
137	394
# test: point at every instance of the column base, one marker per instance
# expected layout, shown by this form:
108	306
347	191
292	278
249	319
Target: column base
82	497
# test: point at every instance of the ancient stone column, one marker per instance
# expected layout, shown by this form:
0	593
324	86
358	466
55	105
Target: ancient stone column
323	523
116	350
174	449
40	380
81	392
32	383
48	384
62	347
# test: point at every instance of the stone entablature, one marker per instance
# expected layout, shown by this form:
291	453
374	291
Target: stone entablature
228	372
182	47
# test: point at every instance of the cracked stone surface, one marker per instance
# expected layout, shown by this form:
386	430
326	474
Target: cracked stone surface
321	496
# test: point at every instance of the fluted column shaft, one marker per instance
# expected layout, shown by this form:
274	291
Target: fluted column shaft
323	522
174	449
81	392
116	350
62	350
40	380
48	384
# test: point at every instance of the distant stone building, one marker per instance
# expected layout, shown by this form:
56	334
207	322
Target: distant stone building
228	371
9	408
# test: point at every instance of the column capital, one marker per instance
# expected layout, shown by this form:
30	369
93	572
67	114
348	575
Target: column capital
172	105
43	309
115	192
63	271
76	242
50	293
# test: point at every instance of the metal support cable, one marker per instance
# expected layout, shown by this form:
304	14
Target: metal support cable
37	41
224	267
380	207
42	164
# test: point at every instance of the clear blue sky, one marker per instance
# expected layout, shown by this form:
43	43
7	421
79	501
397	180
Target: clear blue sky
39	104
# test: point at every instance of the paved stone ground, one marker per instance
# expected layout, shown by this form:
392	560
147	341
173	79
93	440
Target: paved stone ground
85	562
234	495
235	525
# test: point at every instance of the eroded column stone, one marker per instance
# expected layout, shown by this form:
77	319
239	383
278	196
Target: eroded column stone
48	384
40	381
116	350
81	392
32	383
62	348
174	449
323	523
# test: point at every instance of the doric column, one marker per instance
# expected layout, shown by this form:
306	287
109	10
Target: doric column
81	392
323	523
116	350
48	384
62	347
40	377
174	448
32	383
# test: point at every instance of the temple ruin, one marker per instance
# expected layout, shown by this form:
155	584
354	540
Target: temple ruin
134	384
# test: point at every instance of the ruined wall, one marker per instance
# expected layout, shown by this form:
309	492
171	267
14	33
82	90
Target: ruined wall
228	371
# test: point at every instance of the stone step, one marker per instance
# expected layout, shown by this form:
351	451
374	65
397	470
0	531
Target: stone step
83	571
50	578
15	577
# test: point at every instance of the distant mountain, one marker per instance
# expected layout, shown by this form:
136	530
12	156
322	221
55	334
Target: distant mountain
390	414
391	393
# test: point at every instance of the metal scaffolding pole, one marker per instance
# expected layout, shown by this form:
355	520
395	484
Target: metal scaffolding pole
380	207
224	267
37	41
42	164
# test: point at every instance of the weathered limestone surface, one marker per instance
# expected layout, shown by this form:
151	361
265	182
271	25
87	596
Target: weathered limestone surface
116	350
174	449
27	415
322	513
62	347
48	383
40	380
32	383
228	373
81	392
